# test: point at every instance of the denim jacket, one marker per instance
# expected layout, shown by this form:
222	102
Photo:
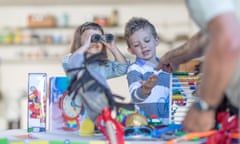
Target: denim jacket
110	70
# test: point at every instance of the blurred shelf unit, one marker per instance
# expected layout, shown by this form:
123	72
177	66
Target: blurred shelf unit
52	43
45	35
32	61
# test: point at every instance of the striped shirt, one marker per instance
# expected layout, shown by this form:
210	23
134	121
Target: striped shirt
157	102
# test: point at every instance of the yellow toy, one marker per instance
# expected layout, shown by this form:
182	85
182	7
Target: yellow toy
87	128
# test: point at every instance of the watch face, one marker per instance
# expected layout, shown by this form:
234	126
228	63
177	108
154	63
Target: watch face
197	106
71	107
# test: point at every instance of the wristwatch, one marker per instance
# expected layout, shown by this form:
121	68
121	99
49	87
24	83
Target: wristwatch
202	105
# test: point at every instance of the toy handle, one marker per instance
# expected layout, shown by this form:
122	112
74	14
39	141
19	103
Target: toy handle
100	126
111	132
114	136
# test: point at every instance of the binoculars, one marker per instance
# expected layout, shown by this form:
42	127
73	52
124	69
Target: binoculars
98	38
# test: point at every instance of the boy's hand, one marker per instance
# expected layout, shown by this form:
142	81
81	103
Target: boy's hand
149	84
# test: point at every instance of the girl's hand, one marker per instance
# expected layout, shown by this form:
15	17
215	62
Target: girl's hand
110	45
86	42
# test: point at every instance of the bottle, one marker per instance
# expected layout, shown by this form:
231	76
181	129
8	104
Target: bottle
113	19
63	20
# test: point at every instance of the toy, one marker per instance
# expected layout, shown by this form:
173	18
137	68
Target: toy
87	127
138	131
37	102
136	119
110	127
123	114
228	127
183	86
65	113
71	110
137	126
191	136
170	128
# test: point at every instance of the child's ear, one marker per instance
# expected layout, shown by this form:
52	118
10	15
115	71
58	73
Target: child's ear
130	50
157	40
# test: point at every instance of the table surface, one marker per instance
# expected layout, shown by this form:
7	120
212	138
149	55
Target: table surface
23	135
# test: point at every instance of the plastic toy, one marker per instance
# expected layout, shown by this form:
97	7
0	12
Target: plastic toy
37	102
71	109
135	120
191	136
123	114
87	127
138	130
107	129
170	128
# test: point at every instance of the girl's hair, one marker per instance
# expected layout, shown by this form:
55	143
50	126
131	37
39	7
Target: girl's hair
135	24
76	41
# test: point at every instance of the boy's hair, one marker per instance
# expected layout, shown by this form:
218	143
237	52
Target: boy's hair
135	24
76	41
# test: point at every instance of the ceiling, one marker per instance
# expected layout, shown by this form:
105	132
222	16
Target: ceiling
80	2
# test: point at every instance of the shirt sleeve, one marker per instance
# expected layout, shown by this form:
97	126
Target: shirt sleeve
134	77
72	61
202	11
115	69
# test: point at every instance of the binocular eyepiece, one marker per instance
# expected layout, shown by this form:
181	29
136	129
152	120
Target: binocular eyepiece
98	38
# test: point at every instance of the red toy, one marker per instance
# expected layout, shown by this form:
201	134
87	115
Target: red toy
105	123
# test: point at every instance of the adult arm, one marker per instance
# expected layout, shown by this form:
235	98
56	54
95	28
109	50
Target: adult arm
218	69
193	48
221	57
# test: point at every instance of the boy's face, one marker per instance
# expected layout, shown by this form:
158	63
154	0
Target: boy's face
143	44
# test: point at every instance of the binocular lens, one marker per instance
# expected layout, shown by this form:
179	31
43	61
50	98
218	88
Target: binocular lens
96	38
109	37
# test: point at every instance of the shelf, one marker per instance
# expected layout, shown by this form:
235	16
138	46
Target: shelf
41	44
49	28
68	27
85	2
29	61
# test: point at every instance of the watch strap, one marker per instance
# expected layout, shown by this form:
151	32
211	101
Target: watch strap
202	105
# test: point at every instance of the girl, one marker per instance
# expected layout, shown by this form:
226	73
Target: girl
82	44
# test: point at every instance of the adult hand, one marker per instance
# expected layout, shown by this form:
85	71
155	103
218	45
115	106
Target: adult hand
199	121
167	64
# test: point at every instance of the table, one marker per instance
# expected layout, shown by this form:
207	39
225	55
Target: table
20	136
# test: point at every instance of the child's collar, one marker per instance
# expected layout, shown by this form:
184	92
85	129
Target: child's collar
141	62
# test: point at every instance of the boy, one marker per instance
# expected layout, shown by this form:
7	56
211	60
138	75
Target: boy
148	87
